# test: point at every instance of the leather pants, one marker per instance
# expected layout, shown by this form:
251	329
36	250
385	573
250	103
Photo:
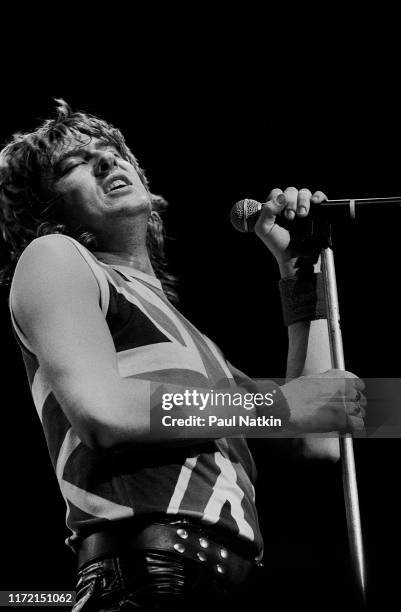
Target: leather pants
160	581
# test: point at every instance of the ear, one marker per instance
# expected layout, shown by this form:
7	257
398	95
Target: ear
158	202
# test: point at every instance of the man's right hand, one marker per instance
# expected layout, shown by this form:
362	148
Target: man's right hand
332	401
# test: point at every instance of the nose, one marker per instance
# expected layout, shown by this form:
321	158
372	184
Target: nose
106	161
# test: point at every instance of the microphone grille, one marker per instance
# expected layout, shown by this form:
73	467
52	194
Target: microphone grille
244	215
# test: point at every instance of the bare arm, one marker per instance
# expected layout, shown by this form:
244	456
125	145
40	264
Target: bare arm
309	353
308	348
55	299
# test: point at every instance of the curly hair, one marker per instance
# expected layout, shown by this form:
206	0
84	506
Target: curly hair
25	210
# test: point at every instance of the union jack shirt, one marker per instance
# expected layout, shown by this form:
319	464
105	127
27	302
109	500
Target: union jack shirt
210	482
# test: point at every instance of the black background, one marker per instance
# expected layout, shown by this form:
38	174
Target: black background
210	129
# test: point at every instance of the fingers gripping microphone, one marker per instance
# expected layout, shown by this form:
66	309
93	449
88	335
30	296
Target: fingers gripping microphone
244	214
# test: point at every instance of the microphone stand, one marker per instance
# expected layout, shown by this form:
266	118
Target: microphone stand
346	444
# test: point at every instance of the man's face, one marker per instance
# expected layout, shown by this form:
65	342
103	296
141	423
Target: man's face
96	185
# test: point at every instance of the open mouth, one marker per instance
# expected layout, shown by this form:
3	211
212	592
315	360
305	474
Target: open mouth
116	184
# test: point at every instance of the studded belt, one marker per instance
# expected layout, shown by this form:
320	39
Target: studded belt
181	538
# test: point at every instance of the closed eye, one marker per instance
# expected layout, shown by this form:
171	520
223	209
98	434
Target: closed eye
72	160
70	165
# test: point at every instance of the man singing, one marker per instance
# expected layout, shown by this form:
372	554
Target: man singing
156	523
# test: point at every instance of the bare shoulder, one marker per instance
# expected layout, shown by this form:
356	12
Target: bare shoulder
51	268
48	251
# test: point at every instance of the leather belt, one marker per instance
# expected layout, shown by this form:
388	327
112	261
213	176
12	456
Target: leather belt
181	539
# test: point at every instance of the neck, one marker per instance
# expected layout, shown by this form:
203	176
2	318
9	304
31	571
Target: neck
129	249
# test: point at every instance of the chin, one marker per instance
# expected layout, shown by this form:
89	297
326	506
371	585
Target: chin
135	205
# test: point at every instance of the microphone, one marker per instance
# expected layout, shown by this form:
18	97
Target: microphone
244	214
